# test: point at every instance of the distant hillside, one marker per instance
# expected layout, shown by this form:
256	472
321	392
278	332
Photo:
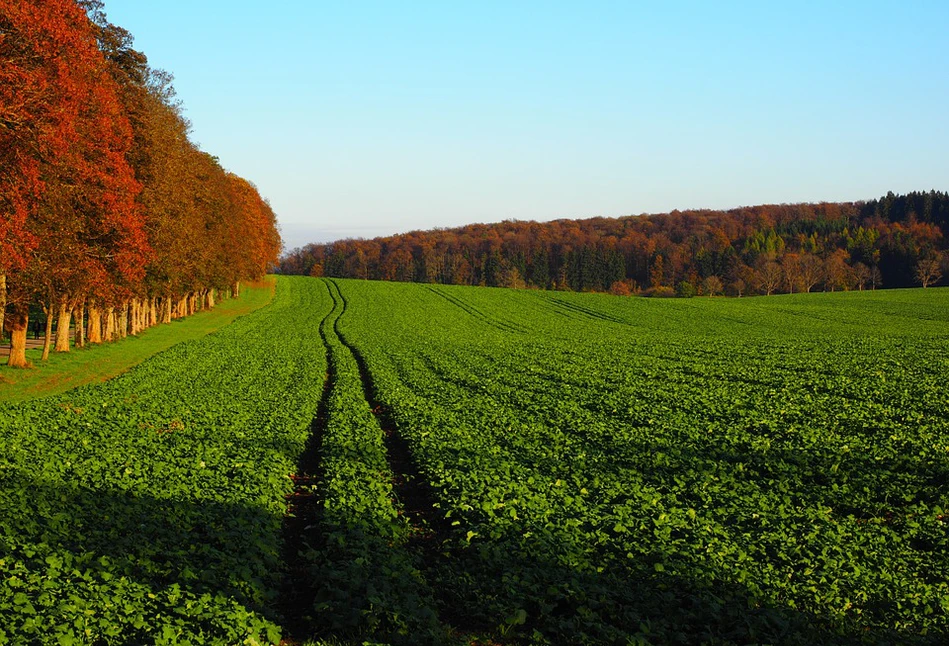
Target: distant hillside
895	241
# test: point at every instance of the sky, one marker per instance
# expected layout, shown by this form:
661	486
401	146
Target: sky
365	119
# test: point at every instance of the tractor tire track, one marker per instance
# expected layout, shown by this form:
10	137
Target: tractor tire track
567	309
304	503
430	538
478	314
411	490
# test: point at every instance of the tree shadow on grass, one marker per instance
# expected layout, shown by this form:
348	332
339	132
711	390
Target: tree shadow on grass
566	586
117	567
518	591
556	585
536	590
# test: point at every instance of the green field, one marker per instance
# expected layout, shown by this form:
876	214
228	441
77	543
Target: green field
476	465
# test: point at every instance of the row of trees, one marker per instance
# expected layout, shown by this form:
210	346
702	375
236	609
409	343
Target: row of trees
896	241
109	214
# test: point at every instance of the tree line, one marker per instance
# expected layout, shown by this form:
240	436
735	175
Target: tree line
111	218
894	241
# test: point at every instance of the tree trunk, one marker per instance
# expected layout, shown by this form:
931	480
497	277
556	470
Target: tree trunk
80	324
48	336
211	299
16	323
123	317
3	299
132	314
236	289
62	326
166	306
108	333
94	328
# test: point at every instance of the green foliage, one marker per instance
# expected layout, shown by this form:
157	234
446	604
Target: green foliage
678	471
685	289
604	471
367	583
148	509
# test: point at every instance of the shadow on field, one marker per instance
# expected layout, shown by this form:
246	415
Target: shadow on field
525	590
533	585
127	566
527	587
518	591
538	586
77	553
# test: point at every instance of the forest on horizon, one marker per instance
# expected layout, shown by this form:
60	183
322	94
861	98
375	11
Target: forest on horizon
893	241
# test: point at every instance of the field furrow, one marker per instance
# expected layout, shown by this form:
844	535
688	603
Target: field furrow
303	514
706	471
362	560
149	509
367	462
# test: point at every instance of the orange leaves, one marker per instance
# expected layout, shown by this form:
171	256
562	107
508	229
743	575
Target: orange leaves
59	123
254	226
101	192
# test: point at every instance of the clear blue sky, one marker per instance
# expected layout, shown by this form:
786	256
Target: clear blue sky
358	119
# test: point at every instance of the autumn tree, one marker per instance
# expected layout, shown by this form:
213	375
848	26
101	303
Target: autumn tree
810	271
40	47
767	276
712	286
69	144
929	269
656	273
837	273
106	206
861	275
791	268
876	277
736	287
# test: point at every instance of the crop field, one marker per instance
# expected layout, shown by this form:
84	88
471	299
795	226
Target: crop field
477	465
148	509
612	470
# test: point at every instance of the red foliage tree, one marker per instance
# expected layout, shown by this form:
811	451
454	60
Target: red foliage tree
106	207
49	103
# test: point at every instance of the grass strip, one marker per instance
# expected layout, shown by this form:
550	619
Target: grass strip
98	363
